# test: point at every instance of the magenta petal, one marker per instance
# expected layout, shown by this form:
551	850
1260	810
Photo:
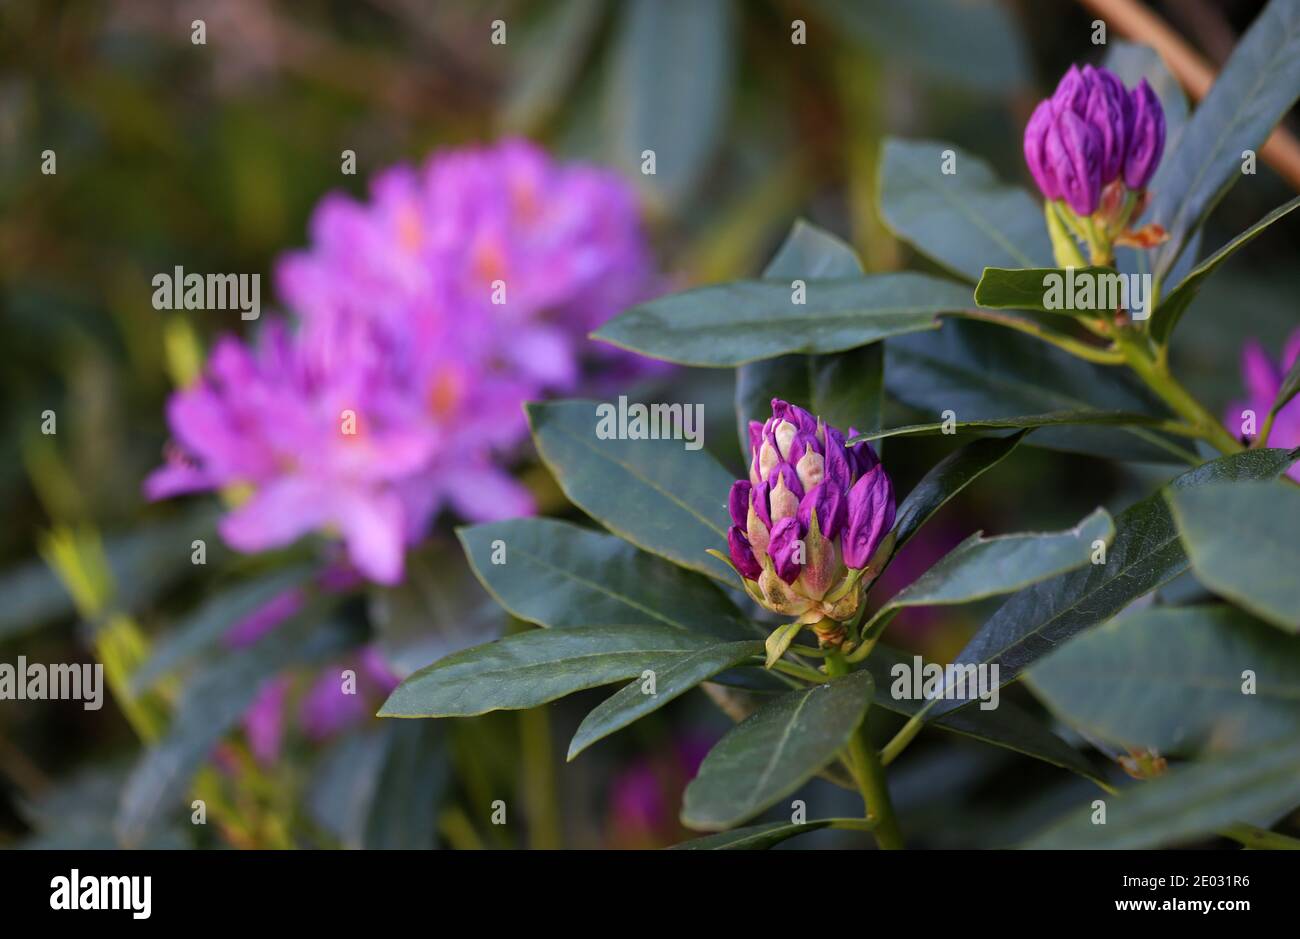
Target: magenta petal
742	556
785	549
827	499
870	517
738	502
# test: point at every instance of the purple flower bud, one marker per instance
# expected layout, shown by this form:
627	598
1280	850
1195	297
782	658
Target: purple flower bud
787	549
796	528
1071	92
1073	150
1148	140
742	555
1105	114
870	517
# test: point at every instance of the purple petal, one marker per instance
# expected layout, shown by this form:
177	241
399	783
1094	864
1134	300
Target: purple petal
831	507
870	517
742	556
738	502
785	547
1147	143
1074	153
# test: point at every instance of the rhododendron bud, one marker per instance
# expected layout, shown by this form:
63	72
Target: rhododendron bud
805	532
1092	148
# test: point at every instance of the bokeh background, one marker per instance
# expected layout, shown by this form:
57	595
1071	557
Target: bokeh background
212	157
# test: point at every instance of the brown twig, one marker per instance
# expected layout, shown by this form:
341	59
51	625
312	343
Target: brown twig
1132	20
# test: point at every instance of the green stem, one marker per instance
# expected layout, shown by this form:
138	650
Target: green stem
1155	373
870	776
798	671
539	779
1076	348
903	737
1251	837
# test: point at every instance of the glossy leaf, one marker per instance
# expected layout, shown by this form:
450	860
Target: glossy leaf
1255	89
1243	540
982	567
774	751
1144	555
560	575
1170	311
658	495
726	325
981	371
632	703
531	668
668	90
1172	679
1188	802
1028	289
948	477
965	221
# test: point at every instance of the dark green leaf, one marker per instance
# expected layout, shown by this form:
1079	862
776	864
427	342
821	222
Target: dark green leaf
981	371
1172	679
632	703
774	751
747	320
948	477
1243	540
753	838
531	668
1169	312
1256	88
668	90
562	576
1144	555
1188	802
985	567
654	493
1002	288
965	221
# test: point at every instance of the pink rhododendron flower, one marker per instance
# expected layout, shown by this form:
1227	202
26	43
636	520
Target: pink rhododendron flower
426	316
1263	380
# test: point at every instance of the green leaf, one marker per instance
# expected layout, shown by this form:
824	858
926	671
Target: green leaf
752	838
726	325
982	567
965	221
1171	309
531	668
846	389
774	751
1008	725
1254	91
779	641
1188	802
632	703
938	38
212	703
985	372
668	91
1027	421
654	493
559	575
1243	540
948	477
1144	555
1002	288
1172	679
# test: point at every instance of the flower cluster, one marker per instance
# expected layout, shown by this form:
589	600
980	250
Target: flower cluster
425	317
1092	148
1263	382
808	521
